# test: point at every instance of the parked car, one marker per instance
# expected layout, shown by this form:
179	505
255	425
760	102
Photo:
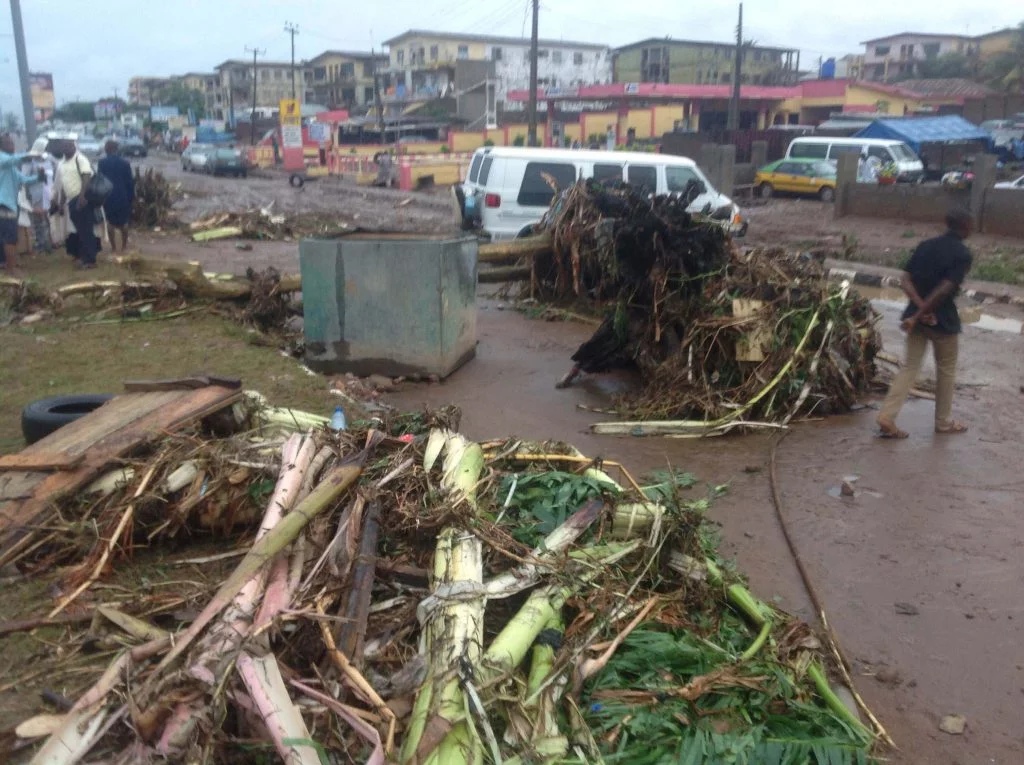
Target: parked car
227	161
814	177
507	189
44	143
1017	184
909	167
91	147
132	146
196	156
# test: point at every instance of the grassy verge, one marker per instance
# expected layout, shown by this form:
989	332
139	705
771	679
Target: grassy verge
1002	266
52	359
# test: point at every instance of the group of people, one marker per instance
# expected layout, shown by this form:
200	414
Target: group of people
48	192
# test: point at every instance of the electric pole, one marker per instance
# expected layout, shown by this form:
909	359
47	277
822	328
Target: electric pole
532	132
377	101
26	90
292	29
252	118
737	76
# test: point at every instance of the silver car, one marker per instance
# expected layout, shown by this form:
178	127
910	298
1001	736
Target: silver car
197	157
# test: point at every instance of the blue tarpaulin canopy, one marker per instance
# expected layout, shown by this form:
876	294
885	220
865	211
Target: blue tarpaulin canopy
915	131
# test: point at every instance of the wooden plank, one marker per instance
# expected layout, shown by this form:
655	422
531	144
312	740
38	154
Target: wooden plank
77	436
143	423
181	383
39	461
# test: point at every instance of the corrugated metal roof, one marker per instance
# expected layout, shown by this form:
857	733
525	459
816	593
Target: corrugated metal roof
951	86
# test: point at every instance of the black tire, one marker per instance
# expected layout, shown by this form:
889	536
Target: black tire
296	181
765	191
41	418
827	194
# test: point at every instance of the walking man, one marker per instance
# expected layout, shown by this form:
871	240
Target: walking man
75	172
932	277
118	207
11	180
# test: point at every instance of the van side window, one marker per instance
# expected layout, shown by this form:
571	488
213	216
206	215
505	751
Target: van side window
679	178
808	150
536	191
474	168
485	170
605	173
644	177
844	148
881	152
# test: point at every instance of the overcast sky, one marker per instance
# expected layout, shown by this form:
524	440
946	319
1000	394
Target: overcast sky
91	48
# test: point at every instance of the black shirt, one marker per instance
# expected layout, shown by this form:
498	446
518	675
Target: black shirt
934	261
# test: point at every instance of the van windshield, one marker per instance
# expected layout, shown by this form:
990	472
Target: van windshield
542	179
800	149
903	153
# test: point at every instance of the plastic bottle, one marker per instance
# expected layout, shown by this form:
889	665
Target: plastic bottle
338	419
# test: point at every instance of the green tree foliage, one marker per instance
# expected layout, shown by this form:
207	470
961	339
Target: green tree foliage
950	65
176	94
12	122
1005	71
76	111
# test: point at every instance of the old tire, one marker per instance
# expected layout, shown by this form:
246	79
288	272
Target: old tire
41	418
827	194
296	181
765	191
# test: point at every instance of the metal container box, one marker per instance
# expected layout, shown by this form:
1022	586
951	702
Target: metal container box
389	304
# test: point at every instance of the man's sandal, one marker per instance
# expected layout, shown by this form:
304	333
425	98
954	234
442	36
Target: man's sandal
889	430
953	427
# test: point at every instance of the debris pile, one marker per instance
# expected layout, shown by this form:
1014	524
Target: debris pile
411	596
263	223
154	198
721	337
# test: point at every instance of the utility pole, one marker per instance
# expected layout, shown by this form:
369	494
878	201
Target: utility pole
26	90
737	76
252	117
532	132
292	29
377	101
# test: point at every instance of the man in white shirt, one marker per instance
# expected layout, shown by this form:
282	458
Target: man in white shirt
74	173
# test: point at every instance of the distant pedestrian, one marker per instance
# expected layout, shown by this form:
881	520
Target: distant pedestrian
11	180
39	198
277	149
118	207
932	277
75	172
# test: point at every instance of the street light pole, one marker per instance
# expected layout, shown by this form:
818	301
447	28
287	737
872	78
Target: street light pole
531	134
26	90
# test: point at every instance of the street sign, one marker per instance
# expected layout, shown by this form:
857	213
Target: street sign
319	132
291	112
291	136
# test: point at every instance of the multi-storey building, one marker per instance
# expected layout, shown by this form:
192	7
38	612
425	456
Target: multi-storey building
273	80
478	71
344	78
693	62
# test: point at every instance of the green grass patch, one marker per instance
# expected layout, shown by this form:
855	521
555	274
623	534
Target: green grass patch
999	268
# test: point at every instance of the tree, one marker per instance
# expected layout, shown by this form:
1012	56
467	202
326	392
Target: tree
76	111
947	66
1005	70
176	94
12	122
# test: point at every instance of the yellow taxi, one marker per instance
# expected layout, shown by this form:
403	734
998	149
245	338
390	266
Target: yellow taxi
812	177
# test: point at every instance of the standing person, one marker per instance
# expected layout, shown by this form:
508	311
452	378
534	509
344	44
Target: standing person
277	149
932	277
118	207
75	172
11	180
39	198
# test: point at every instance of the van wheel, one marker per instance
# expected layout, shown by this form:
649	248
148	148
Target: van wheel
766	190
827	194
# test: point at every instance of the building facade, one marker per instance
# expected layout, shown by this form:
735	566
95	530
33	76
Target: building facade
484	69
207	83
900	56
691	62
145	91
273	83
344	79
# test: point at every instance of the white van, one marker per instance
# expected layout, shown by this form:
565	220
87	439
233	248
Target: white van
908	164
507	191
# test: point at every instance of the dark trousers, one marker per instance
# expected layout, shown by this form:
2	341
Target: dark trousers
84	218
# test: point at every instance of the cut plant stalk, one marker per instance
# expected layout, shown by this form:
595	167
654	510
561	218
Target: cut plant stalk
454	633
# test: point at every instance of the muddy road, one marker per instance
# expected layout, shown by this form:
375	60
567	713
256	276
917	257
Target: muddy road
937	522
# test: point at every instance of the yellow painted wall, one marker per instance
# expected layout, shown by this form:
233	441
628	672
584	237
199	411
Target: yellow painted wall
893	104
573	131
524	130
497	137
665	118
467	141
640	121
423	148
997	43
444	171
447	50
597	122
